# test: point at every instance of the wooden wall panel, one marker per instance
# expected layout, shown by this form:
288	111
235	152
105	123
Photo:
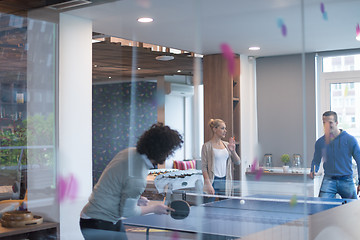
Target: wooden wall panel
218	93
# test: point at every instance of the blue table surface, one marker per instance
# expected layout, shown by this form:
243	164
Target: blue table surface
232	218
313	205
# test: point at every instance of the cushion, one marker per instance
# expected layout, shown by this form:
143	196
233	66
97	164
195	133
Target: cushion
185	165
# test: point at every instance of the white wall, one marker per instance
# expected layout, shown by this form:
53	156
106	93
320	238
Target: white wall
189	128
175	118
280	106
180	114
196	114
75	117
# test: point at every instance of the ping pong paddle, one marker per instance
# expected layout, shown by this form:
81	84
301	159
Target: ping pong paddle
182	209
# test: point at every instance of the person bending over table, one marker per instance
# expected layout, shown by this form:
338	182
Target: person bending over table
336	147
217	159
117	193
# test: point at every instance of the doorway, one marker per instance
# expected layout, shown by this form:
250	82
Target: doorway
339	88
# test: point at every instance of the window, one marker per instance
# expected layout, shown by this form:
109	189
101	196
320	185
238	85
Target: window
341	63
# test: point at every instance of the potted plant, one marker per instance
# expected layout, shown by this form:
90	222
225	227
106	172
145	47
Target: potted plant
285	158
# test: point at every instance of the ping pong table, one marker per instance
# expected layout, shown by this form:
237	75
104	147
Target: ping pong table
233	218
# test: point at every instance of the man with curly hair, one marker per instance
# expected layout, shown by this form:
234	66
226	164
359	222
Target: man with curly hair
117	193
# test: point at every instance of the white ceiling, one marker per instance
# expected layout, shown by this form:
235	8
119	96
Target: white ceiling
201	26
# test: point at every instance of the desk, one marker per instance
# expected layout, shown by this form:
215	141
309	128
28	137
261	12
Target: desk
49	228
230	218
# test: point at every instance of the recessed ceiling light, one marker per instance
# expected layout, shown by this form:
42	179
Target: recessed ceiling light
178	70
139	68
145	19
109	77
164	58
254	48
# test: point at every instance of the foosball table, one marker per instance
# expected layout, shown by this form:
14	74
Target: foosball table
173	183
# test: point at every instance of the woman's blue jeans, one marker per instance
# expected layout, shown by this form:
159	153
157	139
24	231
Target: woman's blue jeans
219	187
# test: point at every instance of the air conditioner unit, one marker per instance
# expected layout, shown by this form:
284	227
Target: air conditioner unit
177	89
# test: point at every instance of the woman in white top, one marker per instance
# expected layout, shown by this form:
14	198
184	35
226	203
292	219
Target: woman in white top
217	159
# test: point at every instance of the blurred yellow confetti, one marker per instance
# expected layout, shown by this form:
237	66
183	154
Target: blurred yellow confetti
293	201
346	91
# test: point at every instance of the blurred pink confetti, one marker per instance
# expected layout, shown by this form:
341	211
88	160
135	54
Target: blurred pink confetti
143	3
61	189
357	30
257	170
259	173
67	188
228	54
253	165
72	187
175	236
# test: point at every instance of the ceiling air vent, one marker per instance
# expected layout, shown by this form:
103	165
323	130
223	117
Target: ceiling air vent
62	5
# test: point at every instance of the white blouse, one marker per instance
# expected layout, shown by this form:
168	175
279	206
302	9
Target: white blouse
220	155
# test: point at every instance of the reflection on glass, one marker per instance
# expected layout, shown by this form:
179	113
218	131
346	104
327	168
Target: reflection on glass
124	108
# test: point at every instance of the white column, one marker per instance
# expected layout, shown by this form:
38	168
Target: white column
75	117
198	112
249	133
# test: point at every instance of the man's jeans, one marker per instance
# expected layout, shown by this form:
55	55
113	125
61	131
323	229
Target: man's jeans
345	187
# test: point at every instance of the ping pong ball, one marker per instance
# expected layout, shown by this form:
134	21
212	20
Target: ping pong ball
242	201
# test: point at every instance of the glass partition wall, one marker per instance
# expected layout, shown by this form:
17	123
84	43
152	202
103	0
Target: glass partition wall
28	154
251	64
